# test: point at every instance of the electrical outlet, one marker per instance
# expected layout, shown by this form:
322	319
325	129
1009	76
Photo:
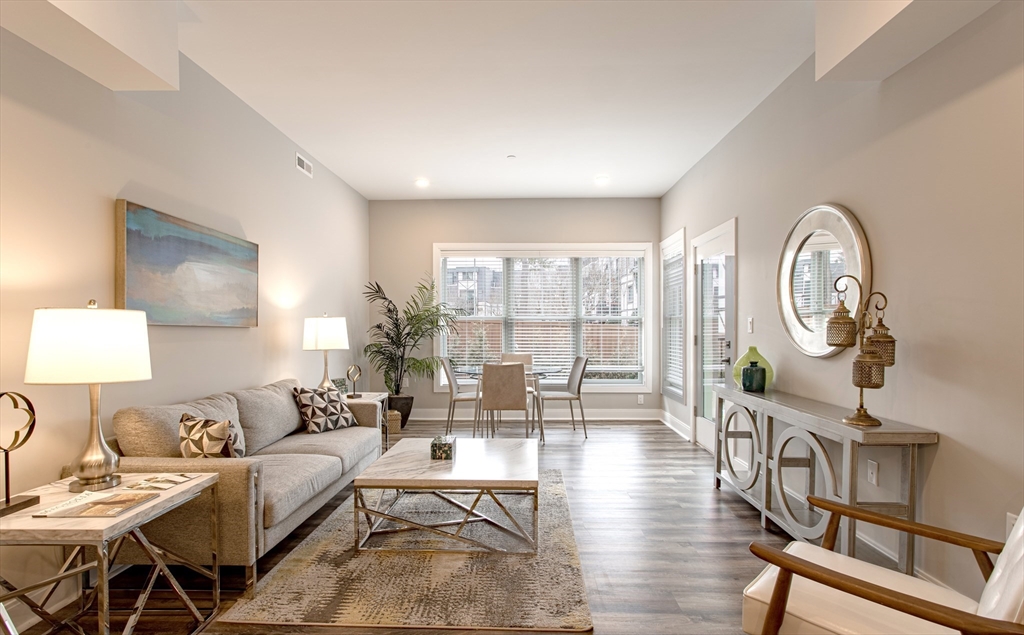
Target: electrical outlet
873	472
405	382
639	400
1011	520
750	325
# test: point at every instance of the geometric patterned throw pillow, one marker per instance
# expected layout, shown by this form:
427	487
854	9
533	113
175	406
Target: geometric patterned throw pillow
237	440
205	438
322	410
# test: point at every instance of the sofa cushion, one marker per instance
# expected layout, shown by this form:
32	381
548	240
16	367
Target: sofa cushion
205	438
322	409
289	480
268	413
816	608
153	430
351	445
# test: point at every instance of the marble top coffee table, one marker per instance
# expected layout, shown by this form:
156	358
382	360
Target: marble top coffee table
482	470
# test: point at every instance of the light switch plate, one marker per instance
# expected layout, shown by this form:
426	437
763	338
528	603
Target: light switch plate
1011	520
750	325
873	472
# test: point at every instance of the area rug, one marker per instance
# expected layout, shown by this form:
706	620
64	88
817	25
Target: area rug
324	581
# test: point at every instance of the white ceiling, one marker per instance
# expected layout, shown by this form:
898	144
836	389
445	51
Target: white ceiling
383	93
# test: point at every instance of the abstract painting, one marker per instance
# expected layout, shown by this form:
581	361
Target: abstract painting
181	273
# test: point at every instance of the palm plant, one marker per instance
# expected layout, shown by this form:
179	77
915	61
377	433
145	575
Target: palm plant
401	332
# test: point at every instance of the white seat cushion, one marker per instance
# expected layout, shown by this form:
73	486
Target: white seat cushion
559	396
815	608
466	396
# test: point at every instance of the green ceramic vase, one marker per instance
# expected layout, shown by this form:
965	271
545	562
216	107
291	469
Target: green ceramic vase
752	356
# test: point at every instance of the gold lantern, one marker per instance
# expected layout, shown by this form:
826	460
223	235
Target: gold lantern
841	329
868	370
877	350
882	343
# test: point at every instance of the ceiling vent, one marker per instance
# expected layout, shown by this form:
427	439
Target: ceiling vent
303	164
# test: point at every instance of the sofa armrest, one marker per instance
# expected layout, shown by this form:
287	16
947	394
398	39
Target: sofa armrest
186	530
367	413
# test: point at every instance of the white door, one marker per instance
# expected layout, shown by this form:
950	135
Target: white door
714	320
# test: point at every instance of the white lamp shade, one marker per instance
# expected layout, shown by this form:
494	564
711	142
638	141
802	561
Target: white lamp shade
325	334
88	346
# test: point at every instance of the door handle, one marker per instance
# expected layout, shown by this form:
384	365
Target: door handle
726	360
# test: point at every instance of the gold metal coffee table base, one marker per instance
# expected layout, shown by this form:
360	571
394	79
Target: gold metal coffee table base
380	513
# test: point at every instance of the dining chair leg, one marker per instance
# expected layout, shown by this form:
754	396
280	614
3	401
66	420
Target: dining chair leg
583	417
451	413
573	415
540	420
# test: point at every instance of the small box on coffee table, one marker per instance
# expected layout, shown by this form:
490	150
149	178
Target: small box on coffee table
442	448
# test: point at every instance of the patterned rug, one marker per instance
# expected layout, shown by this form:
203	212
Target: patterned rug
324	581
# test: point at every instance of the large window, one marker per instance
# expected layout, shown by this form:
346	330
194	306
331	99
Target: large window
673	316
554	303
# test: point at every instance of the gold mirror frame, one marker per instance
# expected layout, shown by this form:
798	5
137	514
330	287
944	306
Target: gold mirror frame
843	225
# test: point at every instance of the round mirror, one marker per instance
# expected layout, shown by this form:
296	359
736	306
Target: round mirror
826	243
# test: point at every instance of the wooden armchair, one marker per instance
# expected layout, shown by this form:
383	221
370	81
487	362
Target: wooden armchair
810	589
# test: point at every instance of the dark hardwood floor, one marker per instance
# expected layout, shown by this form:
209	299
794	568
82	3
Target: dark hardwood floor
662	551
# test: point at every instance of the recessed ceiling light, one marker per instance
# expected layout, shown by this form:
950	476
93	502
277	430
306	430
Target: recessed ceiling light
422	182
601	180
511	156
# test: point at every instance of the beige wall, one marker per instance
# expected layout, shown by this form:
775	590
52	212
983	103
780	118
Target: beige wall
403	233
930	161
69	148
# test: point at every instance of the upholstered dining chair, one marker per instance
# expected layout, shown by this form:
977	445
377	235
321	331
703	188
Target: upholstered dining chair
504	388
456	394
531	391
573	392
810	589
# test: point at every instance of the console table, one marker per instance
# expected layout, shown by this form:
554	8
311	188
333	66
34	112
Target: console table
770	421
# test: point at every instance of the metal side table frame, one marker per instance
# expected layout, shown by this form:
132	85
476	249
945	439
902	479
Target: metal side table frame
107	548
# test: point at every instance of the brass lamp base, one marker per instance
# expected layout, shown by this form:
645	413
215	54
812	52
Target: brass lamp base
94	485
861	418
94	468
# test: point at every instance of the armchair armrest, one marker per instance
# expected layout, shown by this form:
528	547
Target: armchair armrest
367	413
239	509
980	546
910	526
790	565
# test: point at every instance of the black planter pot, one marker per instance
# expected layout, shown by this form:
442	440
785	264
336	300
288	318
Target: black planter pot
403	404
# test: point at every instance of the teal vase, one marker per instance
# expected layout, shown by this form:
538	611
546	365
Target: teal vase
752	356
753	378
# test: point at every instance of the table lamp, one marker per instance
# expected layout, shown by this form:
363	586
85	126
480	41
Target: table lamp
325	334
89	346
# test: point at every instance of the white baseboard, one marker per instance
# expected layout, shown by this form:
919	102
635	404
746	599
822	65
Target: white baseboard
892	555
677	425
464	414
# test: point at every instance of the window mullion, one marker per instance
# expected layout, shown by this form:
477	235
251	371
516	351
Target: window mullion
508	341
577	322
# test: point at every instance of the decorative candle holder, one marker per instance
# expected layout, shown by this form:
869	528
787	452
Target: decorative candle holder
354	373
21	436
877	349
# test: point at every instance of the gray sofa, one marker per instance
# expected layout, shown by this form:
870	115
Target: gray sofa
286	475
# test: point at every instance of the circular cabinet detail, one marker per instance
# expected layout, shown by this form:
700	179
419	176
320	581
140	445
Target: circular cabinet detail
734	414
807	532
826	242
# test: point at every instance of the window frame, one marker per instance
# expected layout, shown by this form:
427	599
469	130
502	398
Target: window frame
674	243
568	250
